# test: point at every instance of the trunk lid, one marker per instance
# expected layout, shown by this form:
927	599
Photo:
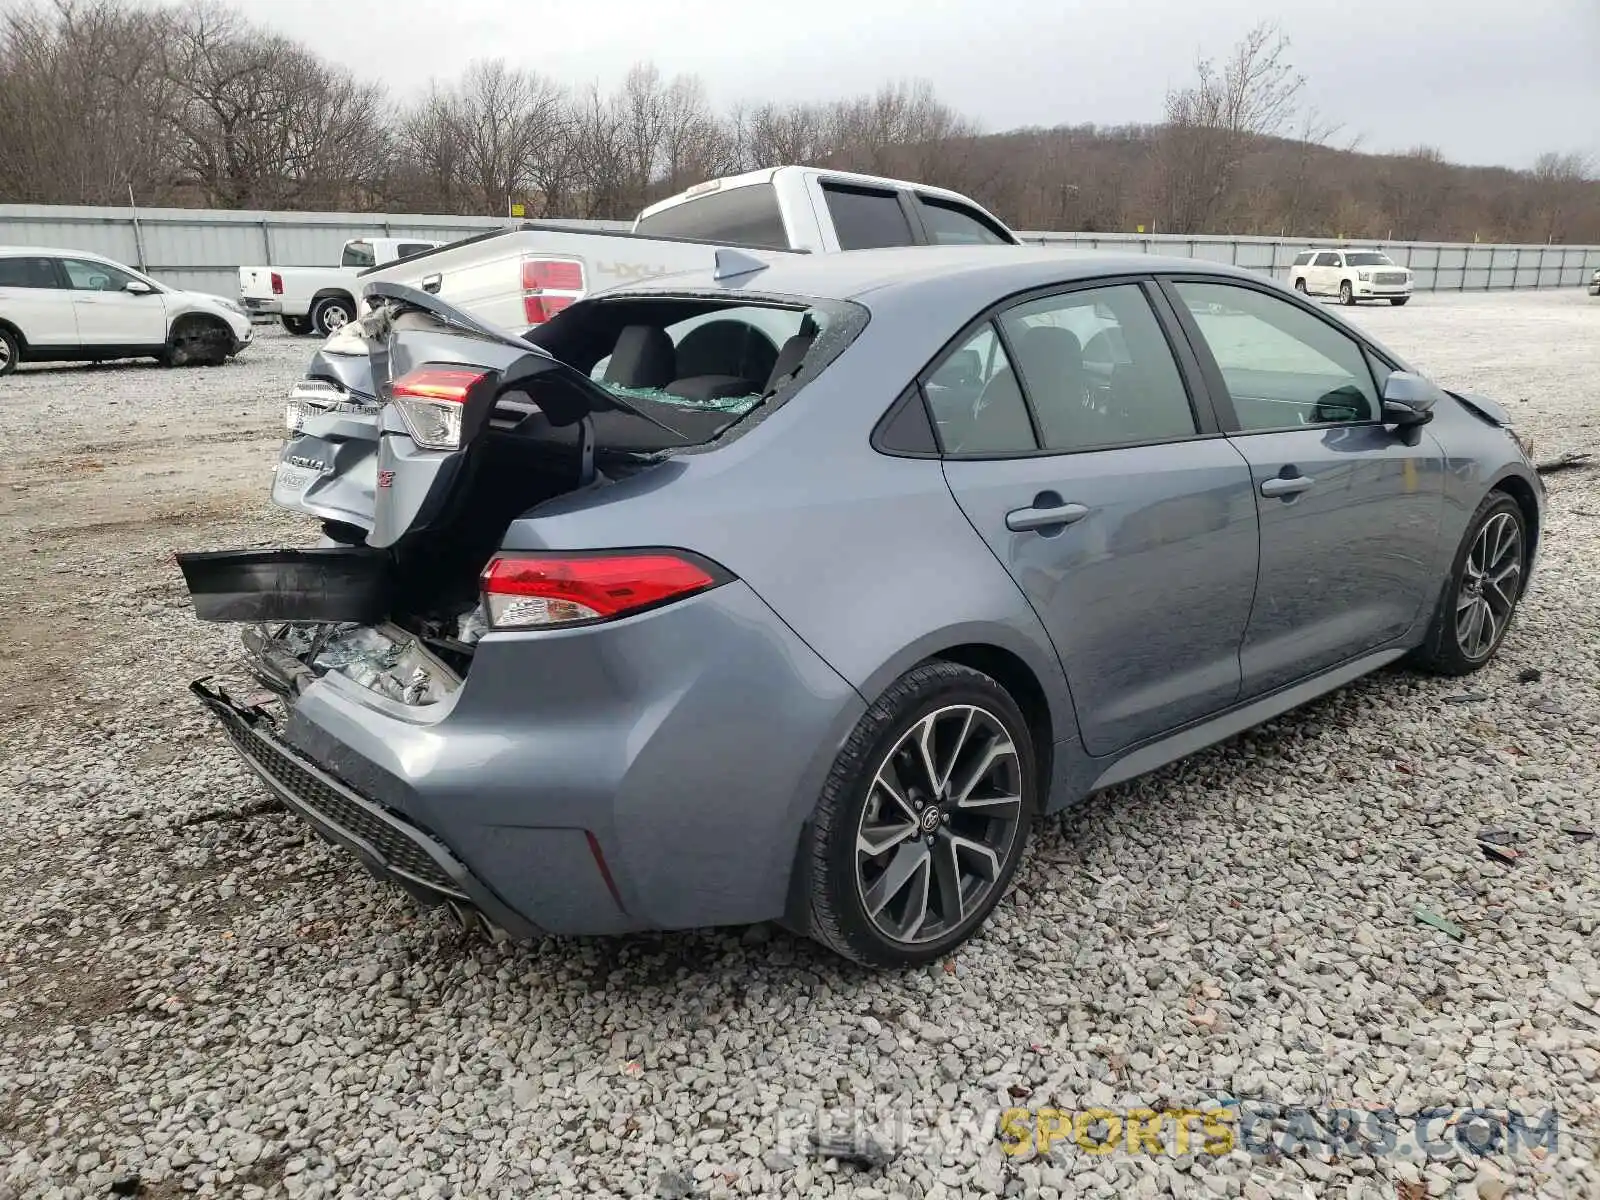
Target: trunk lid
390	463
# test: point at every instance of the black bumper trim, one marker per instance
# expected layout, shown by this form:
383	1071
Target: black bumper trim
451	881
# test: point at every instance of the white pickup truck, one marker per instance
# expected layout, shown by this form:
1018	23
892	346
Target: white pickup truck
523	275
320	299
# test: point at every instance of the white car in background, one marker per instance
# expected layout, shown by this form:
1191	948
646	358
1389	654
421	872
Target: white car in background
1594	284
1351	275
73	306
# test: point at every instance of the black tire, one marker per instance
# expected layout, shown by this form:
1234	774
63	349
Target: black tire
939	692
330	313
197	342
299	326
10	352
1347	295
1442	652
1300	286
1399	301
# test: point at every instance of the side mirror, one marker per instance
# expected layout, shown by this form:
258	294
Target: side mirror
1408	400
137	287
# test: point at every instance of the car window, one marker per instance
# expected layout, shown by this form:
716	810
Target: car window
407	249
88	276
27	273
1301	260
1327	260
748	215
358	254
1098	370
1284	367
864	219
1368	258
953	225
976	405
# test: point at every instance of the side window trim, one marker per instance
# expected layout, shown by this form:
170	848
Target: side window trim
1207	399
918	200
1212	373
1004	340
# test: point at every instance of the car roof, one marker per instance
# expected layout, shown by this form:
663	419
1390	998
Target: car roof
984	271
50	252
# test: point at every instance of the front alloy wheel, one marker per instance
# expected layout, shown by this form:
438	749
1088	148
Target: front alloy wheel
1490	584
1480	597
923	820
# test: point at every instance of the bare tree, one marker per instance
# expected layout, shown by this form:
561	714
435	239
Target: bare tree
1212	122
1560	181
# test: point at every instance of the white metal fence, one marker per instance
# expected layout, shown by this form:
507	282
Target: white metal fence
1438	266
203	248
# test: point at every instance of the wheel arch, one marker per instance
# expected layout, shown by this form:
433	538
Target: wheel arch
1013	673
331	293
15	332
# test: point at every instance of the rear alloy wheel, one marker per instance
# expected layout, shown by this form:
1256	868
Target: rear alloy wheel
1346	294
1481	596
923	819
330	314
10	352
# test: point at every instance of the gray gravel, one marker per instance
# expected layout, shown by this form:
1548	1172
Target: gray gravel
196	993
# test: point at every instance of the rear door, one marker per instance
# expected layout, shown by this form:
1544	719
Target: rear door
1324	275
1350	509
1111	498
34	298
107	314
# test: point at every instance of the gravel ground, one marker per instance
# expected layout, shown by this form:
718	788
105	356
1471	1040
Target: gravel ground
197	996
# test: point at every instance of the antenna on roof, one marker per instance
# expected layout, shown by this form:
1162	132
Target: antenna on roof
732	263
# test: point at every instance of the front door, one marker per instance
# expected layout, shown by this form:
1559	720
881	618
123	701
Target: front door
108	315
1131	533
1350	510
1324	275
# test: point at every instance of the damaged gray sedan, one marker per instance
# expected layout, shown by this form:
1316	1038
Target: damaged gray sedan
795	590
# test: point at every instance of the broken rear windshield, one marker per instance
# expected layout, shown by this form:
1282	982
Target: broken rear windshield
696	355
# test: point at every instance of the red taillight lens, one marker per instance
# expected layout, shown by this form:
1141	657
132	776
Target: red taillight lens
548	286
277	284
543	591
551	275
430	401
539	309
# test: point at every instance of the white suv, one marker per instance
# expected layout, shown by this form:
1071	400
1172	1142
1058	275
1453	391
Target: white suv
1351	275
72	306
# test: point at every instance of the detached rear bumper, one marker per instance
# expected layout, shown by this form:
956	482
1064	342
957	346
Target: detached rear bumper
391	847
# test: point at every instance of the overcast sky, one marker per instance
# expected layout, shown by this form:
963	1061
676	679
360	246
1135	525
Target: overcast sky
1487	81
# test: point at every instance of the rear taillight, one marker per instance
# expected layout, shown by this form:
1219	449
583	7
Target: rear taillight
547	590
432	400
548	286
277	284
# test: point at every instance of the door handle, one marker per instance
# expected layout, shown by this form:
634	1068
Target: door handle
431	283
1021	520
1287	487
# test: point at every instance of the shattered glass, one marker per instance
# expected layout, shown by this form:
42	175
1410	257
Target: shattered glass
386	660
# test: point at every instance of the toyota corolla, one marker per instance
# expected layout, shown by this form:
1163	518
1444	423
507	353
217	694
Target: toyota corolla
796	590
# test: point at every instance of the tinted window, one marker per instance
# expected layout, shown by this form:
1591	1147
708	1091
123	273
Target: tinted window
747	215
1283	366
358	254
407	249
1098	370
1368	258
1301	260
975	402
864	220
1327	260
88	276
27	273
952	225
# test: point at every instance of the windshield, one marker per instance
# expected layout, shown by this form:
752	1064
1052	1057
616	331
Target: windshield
1369	259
